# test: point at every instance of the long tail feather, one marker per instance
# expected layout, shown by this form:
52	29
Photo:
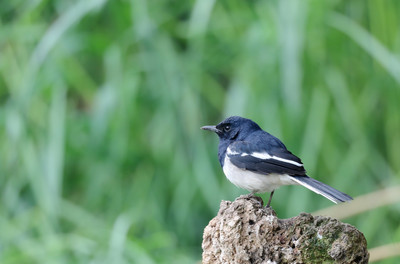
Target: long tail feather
322	189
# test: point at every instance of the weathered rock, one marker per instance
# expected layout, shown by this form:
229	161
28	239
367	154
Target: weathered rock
246	232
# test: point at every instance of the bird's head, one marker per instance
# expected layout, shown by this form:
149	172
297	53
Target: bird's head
233	128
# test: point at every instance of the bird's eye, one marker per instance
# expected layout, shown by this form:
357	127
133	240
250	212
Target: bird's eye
227	128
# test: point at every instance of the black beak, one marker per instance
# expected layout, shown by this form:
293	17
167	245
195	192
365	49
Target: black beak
211	128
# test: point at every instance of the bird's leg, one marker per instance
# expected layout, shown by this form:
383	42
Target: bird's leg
270	198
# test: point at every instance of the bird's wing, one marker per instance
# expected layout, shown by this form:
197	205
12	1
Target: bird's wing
254	157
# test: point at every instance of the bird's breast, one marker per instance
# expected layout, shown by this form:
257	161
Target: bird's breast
254	182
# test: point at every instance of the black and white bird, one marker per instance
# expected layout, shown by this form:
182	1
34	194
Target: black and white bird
255	160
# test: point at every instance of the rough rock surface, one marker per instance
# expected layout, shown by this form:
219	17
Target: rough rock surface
246	232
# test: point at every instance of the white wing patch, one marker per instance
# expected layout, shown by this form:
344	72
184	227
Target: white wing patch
231	152
288	161
264	156
261	155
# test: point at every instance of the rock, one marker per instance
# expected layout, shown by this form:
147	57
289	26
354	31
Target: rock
246	232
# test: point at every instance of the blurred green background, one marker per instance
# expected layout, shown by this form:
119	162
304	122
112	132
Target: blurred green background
101	155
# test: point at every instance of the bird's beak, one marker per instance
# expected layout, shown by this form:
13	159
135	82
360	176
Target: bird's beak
211	128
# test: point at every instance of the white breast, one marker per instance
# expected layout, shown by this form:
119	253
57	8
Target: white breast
254	182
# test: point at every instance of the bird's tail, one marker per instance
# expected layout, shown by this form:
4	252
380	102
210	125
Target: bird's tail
322	189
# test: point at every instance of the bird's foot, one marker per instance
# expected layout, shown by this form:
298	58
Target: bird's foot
248	196
251	196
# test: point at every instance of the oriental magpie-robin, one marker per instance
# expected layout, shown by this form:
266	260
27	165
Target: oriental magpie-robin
255	160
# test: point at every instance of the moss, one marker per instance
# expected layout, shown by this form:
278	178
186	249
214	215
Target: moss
316	249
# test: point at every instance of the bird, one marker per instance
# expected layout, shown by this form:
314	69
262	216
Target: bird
255	160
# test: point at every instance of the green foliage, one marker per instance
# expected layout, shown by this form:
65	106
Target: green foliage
101	155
